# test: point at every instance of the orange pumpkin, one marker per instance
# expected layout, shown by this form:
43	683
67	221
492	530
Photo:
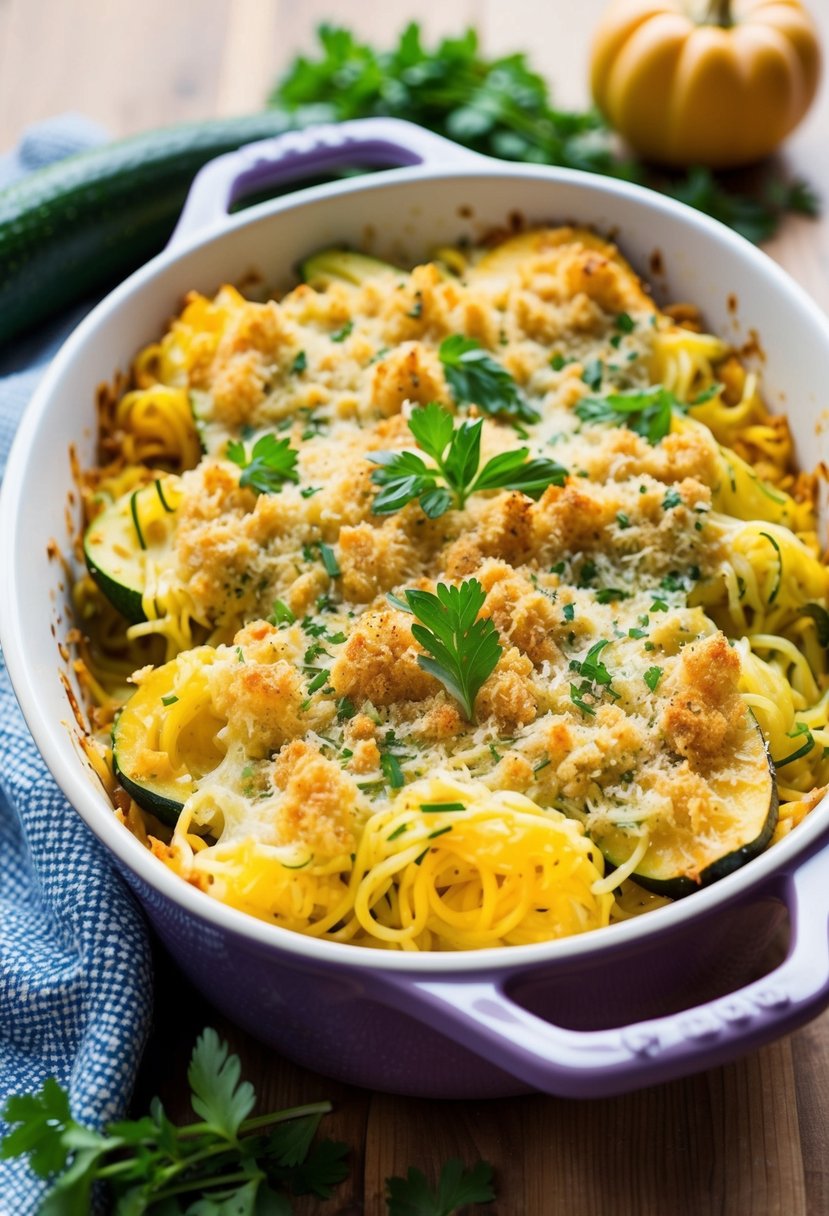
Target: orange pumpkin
711	82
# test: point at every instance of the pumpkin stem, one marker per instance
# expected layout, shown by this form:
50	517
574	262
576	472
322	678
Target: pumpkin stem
719	13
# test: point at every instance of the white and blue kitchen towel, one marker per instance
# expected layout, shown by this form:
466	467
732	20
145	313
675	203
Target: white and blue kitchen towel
75	972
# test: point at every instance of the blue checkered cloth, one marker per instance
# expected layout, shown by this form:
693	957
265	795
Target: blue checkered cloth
75	974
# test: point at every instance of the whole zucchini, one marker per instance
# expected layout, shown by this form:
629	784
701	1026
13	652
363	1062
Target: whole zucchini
78	226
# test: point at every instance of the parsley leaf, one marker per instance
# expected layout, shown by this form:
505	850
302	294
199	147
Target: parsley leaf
647	411
463	650
222	1100
652	677
475	378
456	452
272	462
412	1195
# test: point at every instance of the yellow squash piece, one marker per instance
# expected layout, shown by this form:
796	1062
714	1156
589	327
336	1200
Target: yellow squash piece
711	82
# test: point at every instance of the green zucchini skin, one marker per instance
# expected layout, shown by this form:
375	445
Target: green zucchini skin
345	266
679	887
755	818
148	797
79	226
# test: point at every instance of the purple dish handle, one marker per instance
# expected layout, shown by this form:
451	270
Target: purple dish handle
601	1063
387	142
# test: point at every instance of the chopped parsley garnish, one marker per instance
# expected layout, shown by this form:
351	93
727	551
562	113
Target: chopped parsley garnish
672	499
345	709
319	680
557	362
329	560
170	700
341	334
309	491
475	378
775	589
608	595
462	650
622	520
625	323
592	374
646	411
658	605
652	677
271	464
569	611
300	363
281	614
456	452
595	678
430	808
392	770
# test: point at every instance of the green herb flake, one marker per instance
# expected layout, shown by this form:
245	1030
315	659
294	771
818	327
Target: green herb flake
281	614
652	677
776	588
299	364
569	611
342	333
329	560
392	770
800	730
169	700
592	375
433	808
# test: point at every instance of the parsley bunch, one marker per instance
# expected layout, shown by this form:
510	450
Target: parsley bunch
501	107
463	650
271	463
227	1164
456	451
227	1161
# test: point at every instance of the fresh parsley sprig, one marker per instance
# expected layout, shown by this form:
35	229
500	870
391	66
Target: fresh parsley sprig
462	651
227	1160
503	108
475	378
227	1164
456	451
272	462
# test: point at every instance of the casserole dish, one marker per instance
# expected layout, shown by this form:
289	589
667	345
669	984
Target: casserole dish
610	1011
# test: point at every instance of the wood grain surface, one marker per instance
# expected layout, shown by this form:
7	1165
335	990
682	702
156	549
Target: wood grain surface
749	1139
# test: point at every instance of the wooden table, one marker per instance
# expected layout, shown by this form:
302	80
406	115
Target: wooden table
748	1139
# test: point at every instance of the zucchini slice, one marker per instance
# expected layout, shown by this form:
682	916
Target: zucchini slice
164	739
342	266
680	858
136	529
